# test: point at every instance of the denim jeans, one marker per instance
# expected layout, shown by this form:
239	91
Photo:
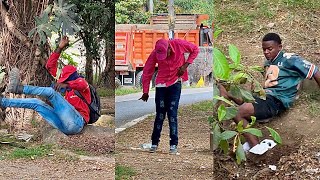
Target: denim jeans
167	102
61	115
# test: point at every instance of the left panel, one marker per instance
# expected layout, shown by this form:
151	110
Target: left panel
57	89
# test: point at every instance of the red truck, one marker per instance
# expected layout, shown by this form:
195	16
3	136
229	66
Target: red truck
135	42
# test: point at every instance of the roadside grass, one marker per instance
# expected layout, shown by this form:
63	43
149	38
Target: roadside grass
105	92
202	106
124	172
126	90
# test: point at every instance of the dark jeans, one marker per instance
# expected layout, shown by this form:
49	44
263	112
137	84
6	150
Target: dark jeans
167	102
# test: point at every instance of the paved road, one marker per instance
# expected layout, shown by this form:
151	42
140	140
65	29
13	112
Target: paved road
128	107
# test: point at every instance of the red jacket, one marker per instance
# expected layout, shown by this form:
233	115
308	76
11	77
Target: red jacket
79	84
168	68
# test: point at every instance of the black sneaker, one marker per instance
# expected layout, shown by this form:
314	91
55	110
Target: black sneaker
14	80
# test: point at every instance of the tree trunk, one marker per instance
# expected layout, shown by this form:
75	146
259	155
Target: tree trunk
89	70
108	75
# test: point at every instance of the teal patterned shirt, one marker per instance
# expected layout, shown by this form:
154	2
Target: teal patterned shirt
284	74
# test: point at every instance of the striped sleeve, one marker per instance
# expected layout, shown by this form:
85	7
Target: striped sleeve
305	68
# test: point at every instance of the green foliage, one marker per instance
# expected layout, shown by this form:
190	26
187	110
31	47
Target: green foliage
196	7
131	12
124	172
230	72
103	92
69	58
33	152
59	17
275	135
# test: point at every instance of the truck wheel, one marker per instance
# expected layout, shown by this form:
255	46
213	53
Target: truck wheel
117	82
139	79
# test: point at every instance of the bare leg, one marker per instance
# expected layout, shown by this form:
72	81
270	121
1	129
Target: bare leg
245	111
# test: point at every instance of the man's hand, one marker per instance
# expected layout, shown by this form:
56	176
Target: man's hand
64	42
182	69
144	97
59	86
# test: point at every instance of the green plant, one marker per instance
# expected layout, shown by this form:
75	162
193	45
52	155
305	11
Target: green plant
124	172
59	17
33	152
233	75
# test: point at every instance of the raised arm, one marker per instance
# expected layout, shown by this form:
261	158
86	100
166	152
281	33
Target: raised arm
52	62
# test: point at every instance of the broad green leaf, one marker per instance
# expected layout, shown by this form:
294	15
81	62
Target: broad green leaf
240	155
257	86
224	100
224	145
231	113
217	33
275	135
221	112
253	131
240	126
241	78
246	95
253	121
234	54
235	91
256	68
216	92
216	135
227	135
221	68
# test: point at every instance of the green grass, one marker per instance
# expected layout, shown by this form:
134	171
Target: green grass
203	106
105	92
124	172
32	152
126	90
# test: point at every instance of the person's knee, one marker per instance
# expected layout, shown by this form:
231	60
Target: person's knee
245	110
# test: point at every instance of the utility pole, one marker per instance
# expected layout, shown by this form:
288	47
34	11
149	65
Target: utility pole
171	18
151	6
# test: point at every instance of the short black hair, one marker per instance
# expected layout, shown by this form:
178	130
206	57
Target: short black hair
272	37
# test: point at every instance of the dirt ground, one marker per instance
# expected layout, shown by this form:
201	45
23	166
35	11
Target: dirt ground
193	162
62	163
299	155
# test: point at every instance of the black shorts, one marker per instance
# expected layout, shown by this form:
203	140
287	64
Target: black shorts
264	109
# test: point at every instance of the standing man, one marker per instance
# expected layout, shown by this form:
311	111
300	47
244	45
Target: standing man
68	114
172	70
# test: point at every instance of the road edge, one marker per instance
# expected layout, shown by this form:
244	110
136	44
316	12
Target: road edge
132	123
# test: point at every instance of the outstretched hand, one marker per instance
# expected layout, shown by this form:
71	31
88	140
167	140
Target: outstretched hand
144	97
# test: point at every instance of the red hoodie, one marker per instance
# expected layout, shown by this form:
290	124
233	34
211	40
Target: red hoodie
79	84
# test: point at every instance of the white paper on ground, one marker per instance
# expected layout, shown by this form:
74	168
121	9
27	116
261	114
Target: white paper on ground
263	147
246	147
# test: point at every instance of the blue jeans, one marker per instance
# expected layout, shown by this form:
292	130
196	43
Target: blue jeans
61	115
167	102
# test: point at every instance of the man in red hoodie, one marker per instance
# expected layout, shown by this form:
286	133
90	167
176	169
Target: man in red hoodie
172	70
69	114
